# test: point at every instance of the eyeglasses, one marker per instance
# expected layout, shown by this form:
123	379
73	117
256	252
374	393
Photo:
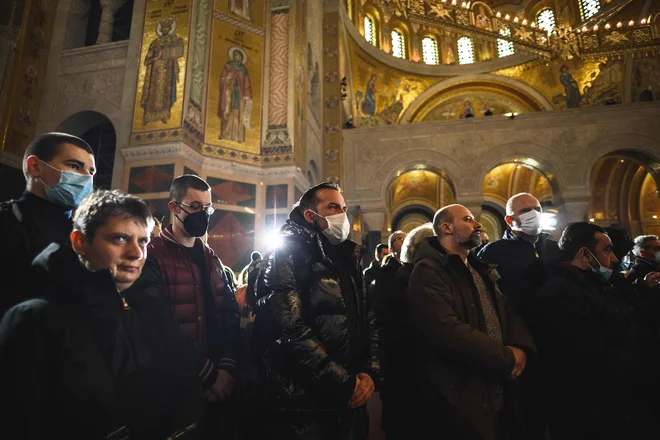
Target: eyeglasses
198	207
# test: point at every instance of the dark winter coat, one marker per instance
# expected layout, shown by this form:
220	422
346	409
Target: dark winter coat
371	273
592	356
27	226
460	366
80	364
521	270
641	268
305	336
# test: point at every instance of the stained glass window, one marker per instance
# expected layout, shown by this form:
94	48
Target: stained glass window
369	33
546	20
398	47
589	8
430	50
504	47
465	51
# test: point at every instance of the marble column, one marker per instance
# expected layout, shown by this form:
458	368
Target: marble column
108	10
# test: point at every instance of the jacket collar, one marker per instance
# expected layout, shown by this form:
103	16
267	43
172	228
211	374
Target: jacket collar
431	248
644	262
167	234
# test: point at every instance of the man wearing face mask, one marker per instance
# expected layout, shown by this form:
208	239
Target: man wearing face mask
601	381
522	275
515	255
647	258
313	327
471	345
58	170
203	303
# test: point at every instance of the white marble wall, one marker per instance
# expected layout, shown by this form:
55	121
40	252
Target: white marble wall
564	145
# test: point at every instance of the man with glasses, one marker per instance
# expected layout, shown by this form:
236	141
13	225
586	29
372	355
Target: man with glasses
202	300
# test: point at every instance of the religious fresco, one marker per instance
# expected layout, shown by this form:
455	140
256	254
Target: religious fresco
30	62
476	105
381	93
420	185
573	84
161	78
234	91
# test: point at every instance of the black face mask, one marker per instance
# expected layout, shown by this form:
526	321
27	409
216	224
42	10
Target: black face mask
197	223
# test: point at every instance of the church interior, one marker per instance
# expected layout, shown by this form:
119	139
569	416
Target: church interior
408	105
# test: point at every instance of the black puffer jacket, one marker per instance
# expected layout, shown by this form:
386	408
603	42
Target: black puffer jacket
302	323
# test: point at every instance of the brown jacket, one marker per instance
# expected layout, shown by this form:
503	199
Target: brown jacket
461	367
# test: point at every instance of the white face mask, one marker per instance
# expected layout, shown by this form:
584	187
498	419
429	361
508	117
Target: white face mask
530	223
338	227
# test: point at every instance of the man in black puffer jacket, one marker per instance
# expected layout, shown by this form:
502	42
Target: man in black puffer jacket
313	328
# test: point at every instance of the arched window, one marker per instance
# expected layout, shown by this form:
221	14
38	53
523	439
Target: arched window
505	47
546	20
430	50
589	8
398	44
369	31
465	51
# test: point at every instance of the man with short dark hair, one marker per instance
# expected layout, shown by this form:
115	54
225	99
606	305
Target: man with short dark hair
58	169
470	342
313	326
372	272
199	292
594	363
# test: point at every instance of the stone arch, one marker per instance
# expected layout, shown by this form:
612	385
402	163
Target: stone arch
100	133
423	159
531	96
641	148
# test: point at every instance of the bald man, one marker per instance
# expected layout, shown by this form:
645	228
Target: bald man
523	274
515	254
470	343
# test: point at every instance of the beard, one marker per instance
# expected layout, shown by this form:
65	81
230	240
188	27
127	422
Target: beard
471	242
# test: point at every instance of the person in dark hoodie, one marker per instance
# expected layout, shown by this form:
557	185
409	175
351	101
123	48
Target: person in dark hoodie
313	327
97	356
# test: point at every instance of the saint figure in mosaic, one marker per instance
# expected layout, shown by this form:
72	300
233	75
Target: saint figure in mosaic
162	75
235	104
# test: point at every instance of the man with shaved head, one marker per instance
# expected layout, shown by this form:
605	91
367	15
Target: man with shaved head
523	274
515	254
471	345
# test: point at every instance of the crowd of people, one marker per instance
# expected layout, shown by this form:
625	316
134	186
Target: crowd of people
115	328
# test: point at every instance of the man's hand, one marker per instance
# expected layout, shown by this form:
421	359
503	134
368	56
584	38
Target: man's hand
521	361
364	389
222	387
652	279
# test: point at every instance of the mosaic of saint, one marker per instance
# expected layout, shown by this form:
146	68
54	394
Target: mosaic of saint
235	101
162	74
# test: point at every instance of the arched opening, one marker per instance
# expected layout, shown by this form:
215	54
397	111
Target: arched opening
505	181
624	194
84	21
99	132
415	194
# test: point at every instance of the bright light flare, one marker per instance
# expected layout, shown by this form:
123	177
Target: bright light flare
273	239
548	221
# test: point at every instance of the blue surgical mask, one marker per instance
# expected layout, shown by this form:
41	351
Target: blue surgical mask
70	191
605	272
